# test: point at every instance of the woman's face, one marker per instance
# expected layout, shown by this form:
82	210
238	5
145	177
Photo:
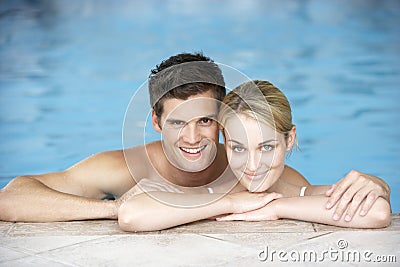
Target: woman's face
256	152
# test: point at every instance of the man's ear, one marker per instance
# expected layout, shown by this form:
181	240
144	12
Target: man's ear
291	138
155	121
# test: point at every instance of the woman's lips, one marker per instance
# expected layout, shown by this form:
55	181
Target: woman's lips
255	176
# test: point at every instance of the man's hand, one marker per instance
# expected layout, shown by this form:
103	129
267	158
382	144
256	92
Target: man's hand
245	201
350	192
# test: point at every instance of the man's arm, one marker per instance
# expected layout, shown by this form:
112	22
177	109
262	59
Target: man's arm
73	194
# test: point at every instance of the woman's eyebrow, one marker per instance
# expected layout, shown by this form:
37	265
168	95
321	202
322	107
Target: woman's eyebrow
234	141
267	141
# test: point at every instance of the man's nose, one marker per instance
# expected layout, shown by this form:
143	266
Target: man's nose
190	133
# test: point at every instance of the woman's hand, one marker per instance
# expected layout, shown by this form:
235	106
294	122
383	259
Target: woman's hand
350	191
245	201
252	207
145	185
266	213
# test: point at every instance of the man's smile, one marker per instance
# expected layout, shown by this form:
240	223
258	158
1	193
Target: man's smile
192	150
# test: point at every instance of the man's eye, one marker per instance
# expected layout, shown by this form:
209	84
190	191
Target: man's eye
237	149
205	121
177	123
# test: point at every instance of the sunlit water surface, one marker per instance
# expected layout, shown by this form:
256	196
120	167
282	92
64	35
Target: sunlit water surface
69	68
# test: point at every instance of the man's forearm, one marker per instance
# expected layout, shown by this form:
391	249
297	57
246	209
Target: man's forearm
312	209
35	202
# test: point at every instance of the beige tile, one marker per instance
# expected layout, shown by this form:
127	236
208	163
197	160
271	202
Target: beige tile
395	225
96	227
155	250
7	254
36	244
5	227
343	244
33	261
260	240
210	226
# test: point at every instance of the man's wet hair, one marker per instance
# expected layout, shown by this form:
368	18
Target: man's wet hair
182	76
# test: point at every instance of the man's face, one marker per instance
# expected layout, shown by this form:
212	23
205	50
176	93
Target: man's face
190	131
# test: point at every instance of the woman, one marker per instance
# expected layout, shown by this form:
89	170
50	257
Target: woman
256	123
258	131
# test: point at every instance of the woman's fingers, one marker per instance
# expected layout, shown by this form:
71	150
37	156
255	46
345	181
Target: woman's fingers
371	198
347	198
270	197
232	217
357	200
338	191
330	190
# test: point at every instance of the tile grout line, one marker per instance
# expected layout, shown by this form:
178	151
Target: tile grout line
9	230
324	234
313	226
78	243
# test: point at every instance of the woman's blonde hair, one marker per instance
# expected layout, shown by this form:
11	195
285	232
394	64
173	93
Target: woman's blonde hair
259	100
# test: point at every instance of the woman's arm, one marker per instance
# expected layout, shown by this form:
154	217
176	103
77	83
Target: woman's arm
312	209
294	208
356	192
160	210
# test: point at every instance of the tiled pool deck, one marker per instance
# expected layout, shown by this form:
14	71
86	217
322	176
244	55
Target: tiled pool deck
204	243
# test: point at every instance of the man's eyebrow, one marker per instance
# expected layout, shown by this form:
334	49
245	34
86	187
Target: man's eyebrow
174	120
211	116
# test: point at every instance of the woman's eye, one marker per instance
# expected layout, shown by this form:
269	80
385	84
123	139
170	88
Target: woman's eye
237	149
267	148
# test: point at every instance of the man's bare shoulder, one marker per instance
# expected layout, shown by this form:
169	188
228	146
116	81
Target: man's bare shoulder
112	158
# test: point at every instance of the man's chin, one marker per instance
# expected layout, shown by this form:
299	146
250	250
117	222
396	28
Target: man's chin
193	166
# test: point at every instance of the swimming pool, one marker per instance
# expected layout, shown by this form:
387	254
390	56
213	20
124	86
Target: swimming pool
68	70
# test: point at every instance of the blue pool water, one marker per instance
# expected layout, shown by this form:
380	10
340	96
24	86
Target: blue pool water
69	68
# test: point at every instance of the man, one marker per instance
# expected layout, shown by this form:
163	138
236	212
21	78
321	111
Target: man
189	156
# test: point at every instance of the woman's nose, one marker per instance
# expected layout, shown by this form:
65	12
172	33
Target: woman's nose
253	161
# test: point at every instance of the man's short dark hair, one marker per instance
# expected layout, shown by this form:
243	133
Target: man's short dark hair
182	76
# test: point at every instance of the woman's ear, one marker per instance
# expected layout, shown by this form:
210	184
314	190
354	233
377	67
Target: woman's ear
155	121
291	138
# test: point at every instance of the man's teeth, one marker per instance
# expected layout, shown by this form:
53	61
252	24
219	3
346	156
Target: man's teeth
192	150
